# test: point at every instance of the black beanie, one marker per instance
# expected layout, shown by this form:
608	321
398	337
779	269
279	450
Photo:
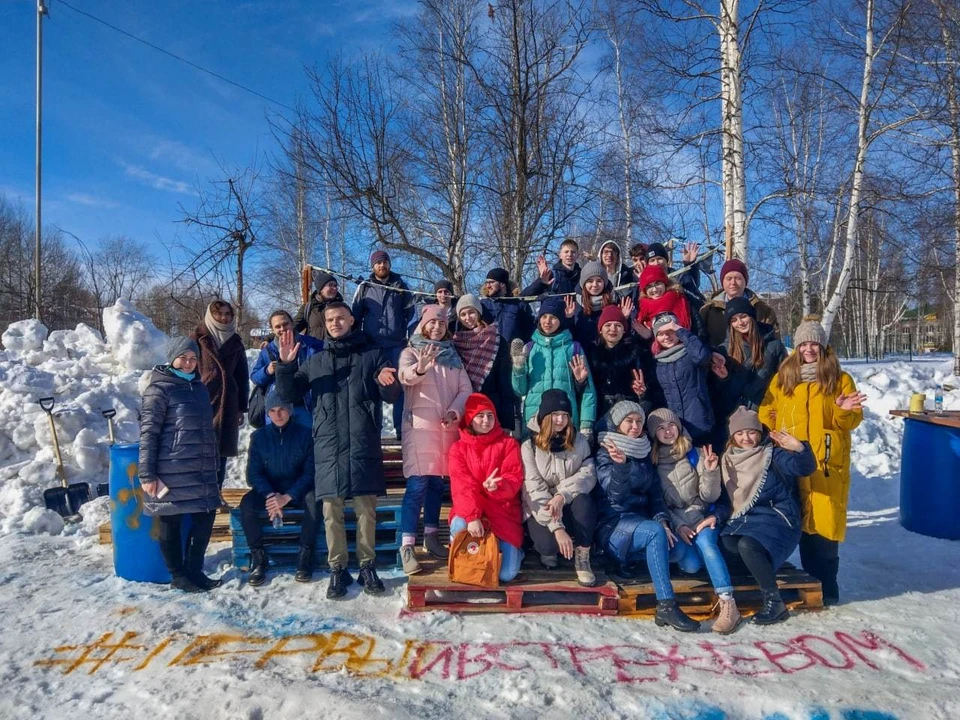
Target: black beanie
322	279
657	250
553	401
739	305
443	285
500	275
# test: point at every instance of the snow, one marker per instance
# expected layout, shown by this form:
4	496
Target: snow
80	642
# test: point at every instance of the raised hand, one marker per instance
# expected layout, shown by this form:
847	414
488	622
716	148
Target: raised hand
669	326
555	506
286	347
546	275
642	330
710	459
493	480
578	366
690	252
853	401
639	386
427	358
386	377
569	306
626	307
786	440
718	364
518	353
616	454
686	534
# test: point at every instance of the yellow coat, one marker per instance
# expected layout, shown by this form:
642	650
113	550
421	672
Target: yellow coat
810	415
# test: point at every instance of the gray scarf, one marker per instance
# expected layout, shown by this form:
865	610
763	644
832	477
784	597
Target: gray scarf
808	372
219	332
744	472
671	355
448	356
637	448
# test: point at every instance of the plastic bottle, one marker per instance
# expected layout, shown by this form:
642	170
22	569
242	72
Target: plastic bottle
938	400
277	519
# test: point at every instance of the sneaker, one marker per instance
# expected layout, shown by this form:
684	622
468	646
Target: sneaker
581	564
432	544
408	557
729	617
372	584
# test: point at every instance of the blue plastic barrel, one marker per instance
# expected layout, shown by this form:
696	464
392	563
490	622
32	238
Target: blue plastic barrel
136	549
930	479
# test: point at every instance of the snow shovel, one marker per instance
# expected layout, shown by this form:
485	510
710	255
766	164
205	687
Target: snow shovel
67	499
104	488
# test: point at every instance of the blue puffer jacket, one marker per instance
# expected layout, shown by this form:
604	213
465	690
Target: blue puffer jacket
548	368
626	495
281	460
684	385
259	375
774	520
383	311
178	444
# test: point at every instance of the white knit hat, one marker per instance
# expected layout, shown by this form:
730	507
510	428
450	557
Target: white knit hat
810	330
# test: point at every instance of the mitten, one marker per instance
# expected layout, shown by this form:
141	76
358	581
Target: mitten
518	353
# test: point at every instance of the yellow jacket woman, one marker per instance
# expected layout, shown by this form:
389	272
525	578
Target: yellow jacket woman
813	400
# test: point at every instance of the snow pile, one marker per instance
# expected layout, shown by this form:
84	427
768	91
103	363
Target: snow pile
24	336
135	341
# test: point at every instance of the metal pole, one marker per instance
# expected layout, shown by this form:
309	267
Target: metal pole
41	11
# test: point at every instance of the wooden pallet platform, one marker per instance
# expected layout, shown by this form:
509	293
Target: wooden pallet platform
538	591
696	597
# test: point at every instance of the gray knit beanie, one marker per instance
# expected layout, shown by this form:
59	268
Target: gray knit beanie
592	269
469	301
623	408
662	319
744	419
662	416
178	345
272	400
810	330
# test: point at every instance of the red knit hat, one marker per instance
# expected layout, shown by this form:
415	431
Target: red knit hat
652	274
611	313
476	403
734	265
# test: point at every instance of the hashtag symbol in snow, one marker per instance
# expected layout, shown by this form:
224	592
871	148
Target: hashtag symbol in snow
95	654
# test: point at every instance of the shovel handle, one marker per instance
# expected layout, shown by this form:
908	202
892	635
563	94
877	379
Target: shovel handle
47	404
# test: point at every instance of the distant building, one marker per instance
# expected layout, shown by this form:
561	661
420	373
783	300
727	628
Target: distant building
924	329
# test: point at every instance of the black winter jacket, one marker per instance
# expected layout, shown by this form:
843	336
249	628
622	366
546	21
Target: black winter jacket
511	315
383	311
347	416
280	460
612	370
178	444
564	281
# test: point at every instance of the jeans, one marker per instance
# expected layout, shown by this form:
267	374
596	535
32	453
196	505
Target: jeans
393	356
510	556
579	520
704	551
650	537
422	491
253	503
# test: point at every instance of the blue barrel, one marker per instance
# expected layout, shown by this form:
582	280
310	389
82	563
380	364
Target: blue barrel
930	479
136	549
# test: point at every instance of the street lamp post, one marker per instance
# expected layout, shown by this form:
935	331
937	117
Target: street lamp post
41	11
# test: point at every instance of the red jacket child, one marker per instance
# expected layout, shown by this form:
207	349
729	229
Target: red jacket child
471	461
672	300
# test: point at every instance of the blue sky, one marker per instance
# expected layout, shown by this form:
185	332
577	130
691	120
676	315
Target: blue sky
129	132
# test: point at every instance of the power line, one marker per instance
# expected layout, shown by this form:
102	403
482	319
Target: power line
174	55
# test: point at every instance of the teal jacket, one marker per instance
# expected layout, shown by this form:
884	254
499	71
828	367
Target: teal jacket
548	368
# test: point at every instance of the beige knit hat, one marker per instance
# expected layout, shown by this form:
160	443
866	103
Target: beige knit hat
810	330
744	419
662	416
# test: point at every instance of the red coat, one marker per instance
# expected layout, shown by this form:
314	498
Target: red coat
472	459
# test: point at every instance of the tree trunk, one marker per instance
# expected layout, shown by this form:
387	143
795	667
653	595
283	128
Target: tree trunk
953	103
731	94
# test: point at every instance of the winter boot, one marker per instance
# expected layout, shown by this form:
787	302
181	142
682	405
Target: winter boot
304	565
194	565
182	582
729	617
774	610
549	562
258	568
669	613
408	557
581	563
432	544
337	587
372	584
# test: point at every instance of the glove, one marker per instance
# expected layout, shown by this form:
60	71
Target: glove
518	354
588	435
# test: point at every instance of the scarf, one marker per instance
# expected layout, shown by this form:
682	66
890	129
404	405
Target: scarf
557	442
181	374
808	372
448	355
744	473
671	301
671	355
478	349
219	332
636	448
596	302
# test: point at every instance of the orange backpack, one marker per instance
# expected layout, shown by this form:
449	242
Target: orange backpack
475	561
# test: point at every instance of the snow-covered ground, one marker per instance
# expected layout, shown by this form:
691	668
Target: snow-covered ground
78	642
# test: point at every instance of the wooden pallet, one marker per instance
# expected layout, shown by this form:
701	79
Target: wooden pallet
538	591
696	597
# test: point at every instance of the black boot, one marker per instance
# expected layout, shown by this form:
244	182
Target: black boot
258	567
196	549
372	584
339	580
774	610
182	582
304	565
669	613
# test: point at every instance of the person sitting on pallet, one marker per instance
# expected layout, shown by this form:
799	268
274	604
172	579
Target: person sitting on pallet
280	475
349	379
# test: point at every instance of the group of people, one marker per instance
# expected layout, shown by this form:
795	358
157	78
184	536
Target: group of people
642	422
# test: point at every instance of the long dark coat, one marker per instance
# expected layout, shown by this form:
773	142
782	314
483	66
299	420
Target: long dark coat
227	378
178	444
347	416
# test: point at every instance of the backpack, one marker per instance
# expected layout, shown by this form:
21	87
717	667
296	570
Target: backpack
475	561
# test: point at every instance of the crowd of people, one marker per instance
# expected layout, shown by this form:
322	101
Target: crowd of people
629	417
